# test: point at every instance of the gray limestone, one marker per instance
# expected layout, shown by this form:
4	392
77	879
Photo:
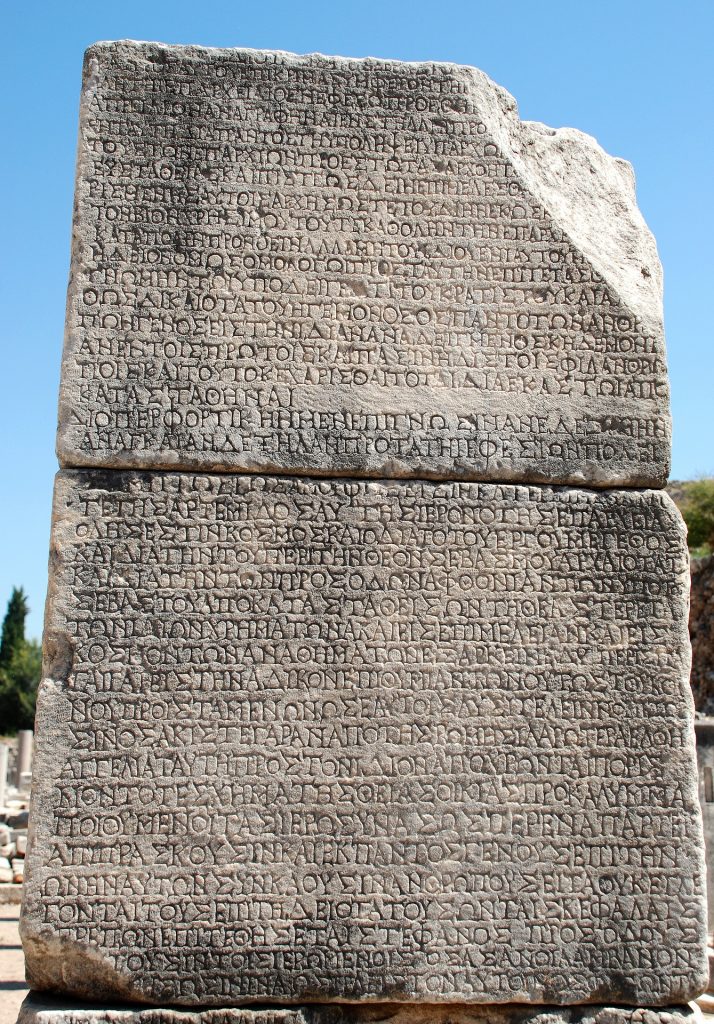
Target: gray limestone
347	700
311	740
36	1010
353	267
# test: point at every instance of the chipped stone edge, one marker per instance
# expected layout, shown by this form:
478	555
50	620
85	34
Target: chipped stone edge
558	166
571	151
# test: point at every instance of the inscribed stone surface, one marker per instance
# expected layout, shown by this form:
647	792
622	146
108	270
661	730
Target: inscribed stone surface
36	1010
356	267
398	740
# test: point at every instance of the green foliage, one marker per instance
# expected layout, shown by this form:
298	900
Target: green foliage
13	627
697	507
20	668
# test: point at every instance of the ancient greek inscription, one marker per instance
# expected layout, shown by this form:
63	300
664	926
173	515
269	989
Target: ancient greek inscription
361	740
337	266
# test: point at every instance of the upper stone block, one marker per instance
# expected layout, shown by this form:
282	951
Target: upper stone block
328	266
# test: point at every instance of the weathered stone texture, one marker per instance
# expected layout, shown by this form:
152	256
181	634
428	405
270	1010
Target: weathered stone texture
36	1010
313	740
356	267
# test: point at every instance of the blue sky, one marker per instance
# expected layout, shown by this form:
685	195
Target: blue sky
636	74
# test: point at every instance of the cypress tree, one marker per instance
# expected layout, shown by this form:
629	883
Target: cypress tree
13	627
20	668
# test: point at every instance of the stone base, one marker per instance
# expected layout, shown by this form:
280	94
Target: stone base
39	1009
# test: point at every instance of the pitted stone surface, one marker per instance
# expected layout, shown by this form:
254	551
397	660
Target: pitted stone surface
355	267
36	1010
364	740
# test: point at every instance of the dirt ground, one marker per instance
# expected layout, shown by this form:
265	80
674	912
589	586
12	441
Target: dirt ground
12	964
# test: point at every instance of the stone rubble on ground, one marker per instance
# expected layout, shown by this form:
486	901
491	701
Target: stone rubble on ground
15	774
12	855
6	873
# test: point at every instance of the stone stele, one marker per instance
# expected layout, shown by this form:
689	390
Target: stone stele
353	267
305	740
36	1010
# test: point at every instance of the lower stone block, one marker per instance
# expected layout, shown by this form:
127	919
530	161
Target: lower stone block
40	1010
309	741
